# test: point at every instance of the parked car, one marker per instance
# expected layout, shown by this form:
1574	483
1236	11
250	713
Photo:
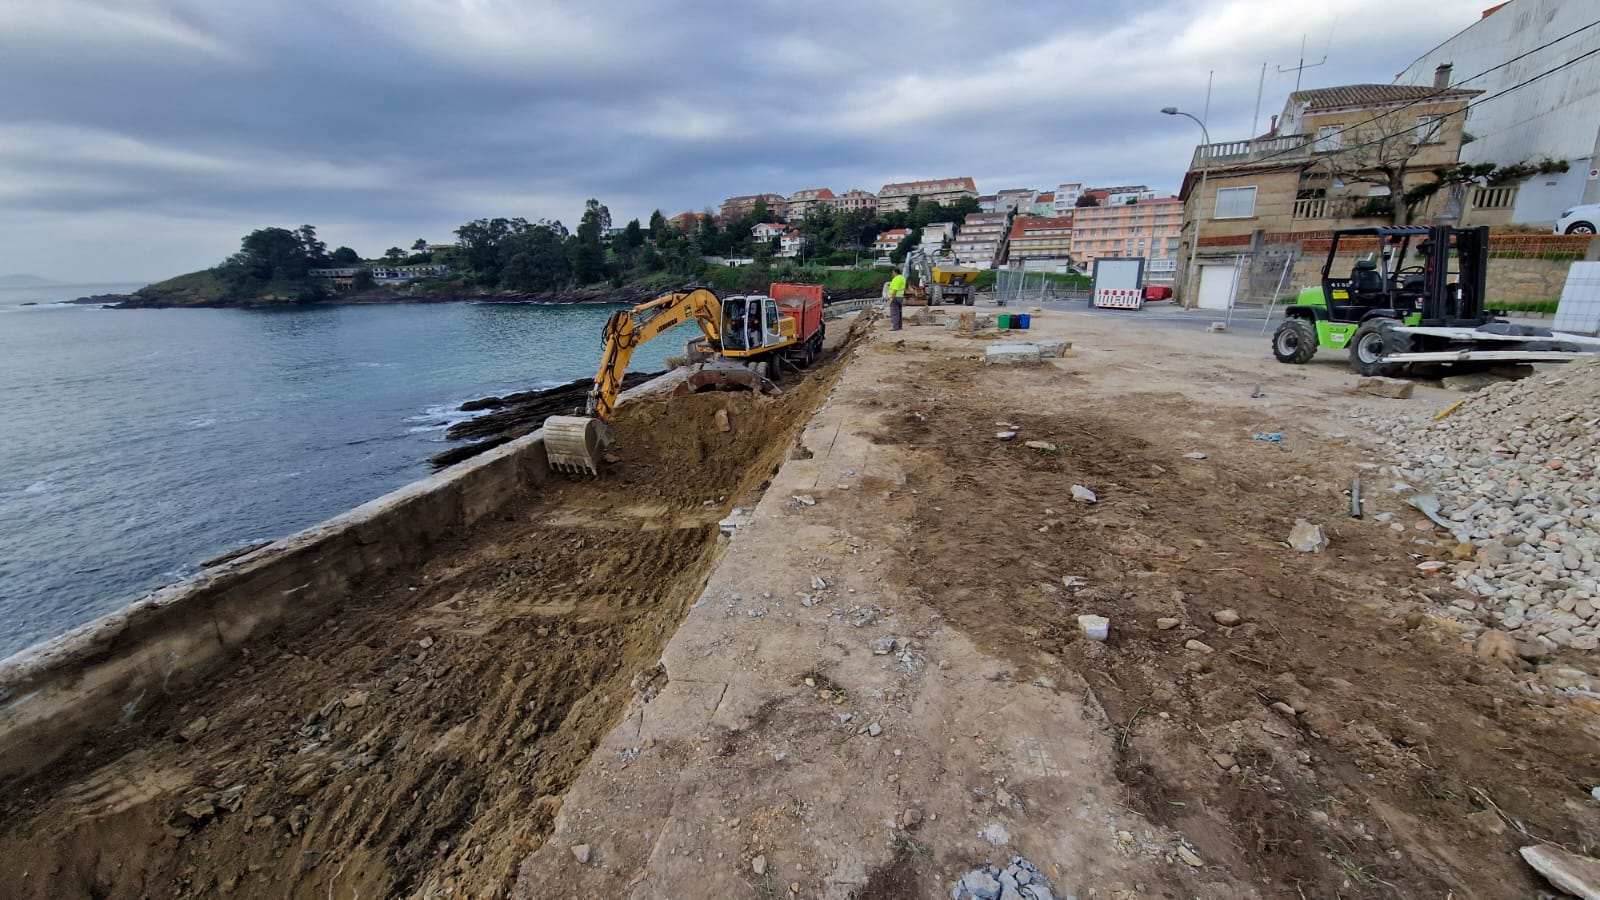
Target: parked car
1579	219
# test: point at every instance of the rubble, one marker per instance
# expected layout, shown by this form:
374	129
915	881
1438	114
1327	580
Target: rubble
1514	470
1019	881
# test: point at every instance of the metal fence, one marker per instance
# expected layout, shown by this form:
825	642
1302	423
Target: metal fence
1014	288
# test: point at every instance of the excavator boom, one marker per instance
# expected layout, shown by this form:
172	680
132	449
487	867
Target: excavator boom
577	443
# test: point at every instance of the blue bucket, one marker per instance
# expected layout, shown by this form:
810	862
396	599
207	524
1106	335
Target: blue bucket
1022	321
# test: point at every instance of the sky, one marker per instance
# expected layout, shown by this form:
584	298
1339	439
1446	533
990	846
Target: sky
143	138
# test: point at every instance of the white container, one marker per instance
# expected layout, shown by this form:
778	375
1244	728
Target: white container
1095	628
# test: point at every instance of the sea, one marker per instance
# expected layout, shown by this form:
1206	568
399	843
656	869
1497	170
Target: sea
135	444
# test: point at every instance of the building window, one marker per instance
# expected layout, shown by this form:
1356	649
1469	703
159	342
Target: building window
1235	203
1328	138
1428	128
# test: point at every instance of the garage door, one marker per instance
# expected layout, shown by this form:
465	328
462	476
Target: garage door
1216	286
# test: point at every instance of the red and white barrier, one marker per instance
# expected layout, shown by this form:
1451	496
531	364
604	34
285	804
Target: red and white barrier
1119	298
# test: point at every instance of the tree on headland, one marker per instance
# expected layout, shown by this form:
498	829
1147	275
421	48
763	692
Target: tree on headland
419	245
344	256
588	253
479	242
658	225
314	250
395	256
273	260
535	258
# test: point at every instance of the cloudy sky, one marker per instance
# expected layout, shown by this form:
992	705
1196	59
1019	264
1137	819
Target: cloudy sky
141	138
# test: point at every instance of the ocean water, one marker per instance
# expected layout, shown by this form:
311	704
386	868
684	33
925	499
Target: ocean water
136	443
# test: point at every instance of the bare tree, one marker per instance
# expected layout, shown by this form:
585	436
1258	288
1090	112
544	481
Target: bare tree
1382	152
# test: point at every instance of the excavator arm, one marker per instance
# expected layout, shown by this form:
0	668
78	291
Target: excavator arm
576	443
628	329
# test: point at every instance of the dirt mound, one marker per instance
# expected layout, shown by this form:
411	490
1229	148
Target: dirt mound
1321	741
420	743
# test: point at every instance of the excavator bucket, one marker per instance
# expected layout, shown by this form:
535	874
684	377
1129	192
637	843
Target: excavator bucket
575	443
723	375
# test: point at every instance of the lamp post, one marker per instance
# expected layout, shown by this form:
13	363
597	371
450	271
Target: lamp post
1189	286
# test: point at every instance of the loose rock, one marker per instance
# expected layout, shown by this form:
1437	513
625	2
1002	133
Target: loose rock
1083	494
1306	537
1198	646
1166	624
1393	388
1226	617
580	852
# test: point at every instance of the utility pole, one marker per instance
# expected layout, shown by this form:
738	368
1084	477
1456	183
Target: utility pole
1260	86
1297	70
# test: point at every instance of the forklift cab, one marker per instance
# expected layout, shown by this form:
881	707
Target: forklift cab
1435	276
1380	283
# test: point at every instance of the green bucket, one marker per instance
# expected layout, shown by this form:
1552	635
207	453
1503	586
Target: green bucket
1004	321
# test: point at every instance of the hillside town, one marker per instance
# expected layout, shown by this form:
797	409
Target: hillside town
1423	148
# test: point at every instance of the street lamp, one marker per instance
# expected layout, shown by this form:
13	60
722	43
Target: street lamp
1189	286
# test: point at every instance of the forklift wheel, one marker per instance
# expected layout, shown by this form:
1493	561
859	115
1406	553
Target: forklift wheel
1295	341
1367	351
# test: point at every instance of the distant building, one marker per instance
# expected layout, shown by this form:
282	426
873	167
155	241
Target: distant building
1148	229
686	221
736	208
1014	199
1119	196
1044	204
1066	199
1554	118
897	197
382	274
934	234
888	240
800	203
980	240
791	243
1041	242
766	231
986	203
855	199
441	248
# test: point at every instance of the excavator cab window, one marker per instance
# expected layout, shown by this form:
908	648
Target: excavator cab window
733	324
771	308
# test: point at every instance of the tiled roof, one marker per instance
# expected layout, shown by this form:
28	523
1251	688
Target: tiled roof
1374	94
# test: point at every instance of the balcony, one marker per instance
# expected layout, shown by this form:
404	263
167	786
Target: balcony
1494	197
1235	153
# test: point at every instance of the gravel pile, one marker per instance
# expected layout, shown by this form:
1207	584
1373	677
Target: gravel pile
1515	471
1018	881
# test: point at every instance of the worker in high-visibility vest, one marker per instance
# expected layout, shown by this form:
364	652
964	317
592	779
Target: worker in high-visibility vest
897	299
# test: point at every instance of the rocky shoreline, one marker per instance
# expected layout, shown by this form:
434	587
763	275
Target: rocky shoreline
515	415
625	294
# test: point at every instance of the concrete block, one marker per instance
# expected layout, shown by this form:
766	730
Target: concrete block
1393	388
1011	354
1054	349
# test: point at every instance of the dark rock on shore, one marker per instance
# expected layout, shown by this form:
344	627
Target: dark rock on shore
518	414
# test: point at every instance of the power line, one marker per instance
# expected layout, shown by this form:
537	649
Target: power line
1440	92
1478	102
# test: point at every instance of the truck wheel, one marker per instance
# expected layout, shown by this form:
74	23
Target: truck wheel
1367	350
1295	342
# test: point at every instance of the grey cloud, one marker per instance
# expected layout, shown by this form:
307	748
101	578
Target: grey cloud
408	117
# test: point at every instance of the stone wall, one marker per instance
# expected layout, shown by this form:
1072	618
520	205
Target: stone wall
1510	280
114	670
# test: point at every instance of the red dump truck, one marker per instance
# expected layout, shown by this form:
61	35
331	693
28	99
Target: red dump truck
803	304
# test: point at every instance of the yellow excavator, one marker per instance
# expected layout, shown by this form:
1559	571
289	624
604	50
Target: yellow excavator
745	339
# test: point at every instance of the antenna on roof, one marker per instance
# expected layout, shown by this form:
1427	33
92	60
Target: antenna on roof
1297	70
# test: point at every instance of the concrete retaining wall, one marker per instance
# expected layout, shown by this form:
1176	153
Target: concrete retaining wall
111	672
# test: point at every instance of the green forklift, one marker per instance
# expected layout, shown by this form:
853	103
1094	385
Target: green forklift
1398	296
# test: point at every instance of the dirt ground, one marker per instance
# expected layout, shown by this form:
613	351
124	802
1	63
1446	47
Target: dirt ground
880	682
420	744
1338	741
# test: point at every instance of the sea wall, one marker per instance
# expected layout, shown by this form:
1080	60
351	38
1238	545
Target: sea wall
109	673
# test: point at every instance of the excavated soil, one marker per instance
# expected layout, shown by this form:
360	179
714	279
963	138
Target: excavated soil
1331	744
420	743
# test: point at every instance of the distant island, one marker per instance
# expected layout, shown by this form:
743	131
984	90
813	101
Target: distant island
515	260
24	280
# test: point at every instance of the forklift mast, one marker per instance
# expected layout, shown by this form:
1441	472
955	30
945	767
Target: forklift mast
1456	298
